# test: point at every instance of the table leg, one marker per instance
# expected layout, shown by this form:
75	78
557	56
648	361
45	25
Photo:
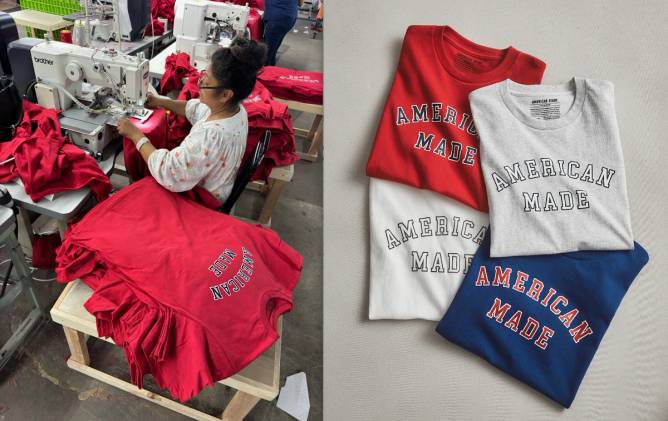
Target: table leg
240	405
77	343
270	202
25	231
317	121
62	227
316	142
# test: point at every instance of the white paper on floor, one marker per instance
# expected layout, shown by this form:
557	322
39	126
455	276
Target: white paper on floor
293	397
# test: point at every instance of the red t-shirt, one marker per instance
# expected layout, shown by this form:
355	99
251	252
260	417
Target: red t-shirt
426	137
191	294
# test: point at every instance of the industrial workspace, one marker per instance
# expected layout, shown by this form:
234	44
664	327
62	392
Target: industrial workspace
113	111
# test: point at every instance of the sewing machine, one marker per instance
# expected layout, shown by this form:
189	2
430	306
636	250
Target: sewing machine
130	17
92	87
201	27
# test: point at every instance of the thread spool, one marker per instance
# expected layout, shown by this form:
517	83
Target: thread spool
66	36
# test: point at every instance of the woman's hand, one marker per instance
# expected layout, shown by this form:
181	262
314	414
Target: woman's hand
127	129
153	101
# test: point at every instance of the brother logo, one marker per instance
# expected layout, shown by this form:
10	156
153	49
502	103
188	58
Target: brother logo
43	61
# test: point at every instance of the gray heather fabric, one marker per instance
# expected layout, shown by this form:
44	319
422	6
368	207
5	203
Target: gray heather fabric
553	167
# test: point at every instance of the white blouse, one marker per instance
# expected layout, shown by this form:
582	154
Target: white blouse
208	157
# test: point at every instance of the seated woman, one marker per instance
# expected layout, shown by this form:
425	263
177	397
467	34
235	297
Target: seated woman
211	154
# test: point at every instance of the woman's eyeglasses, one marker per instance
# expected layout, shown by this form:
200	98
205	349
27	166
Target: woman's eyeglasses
200	82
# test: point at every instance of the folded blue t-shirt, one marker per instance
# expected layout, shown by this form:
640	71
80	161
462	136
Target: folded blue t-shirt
541	318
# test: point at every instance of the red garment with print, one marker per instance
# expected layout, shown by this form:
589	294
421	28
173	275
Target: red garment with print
46	161
192	295
426	137
296	85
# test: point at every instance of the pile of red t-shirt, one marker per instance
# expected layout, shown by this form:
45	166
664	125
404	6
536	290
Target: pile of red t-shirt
163	9
46	161
296	85
263	114
192	295
266	114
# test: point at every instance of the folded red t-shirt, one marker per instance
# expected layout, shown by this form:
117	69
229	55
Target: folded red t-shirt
296	85
426	137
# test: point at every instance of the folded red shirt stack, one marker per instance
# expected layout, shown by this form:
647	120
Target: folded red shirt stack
296	85
266	114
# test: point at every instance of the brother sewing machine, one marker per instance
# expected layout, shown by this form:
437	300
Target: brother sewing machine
201	27
92	87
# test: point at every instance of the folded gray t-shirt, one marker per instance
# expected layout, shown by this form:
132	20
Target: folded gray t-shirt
553	167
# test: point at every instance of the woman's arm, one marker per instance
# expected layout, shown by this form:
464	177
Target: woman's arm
173	105
129	130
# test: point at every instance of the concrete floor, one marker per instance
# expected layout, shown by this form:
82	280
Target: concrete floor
37	385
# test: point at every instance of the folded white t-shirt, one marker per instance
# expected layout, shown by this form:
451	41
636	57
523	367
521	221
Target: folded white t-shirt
422	244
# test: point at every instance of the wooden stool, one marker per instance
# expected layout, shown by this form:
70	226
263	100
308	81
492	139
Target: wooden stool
259	380
314	134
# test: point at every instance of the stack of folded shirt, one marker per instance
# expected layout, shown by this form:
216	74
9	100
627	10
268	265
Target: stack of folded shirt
535	292
266	114
296	85
192	295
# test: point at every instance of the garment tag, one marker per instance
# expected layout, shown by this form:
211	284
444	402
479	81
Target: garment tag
545	108
469	64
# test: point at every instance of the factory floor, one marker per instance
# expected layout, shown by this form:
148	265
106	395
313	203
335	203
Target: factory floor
37	385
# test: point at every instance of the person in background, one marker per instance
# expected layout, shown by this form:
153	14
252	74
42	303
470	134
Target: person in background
211	154
279	18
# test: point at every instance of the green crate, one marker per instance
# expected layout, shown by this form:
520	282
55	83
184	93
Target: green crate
38	33
55	7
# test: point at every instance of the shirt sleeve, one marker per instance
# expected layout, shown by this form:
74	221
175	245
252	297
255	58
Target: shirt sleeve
196	111
185	166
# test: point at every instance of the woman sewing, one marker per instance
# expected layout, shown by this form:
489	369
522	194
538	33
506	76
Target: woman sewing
211	154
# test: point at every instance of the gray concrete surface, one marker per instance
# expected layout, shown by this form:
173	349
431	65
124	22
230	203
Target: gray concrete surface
37	385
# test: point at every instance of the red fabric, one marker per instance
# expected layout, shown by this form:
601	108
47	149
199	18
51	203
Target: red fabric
155	129
163	9
158	27
192	295
177	67
255	25
266	114
263	114
439	68
45	160
296	85
44	250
